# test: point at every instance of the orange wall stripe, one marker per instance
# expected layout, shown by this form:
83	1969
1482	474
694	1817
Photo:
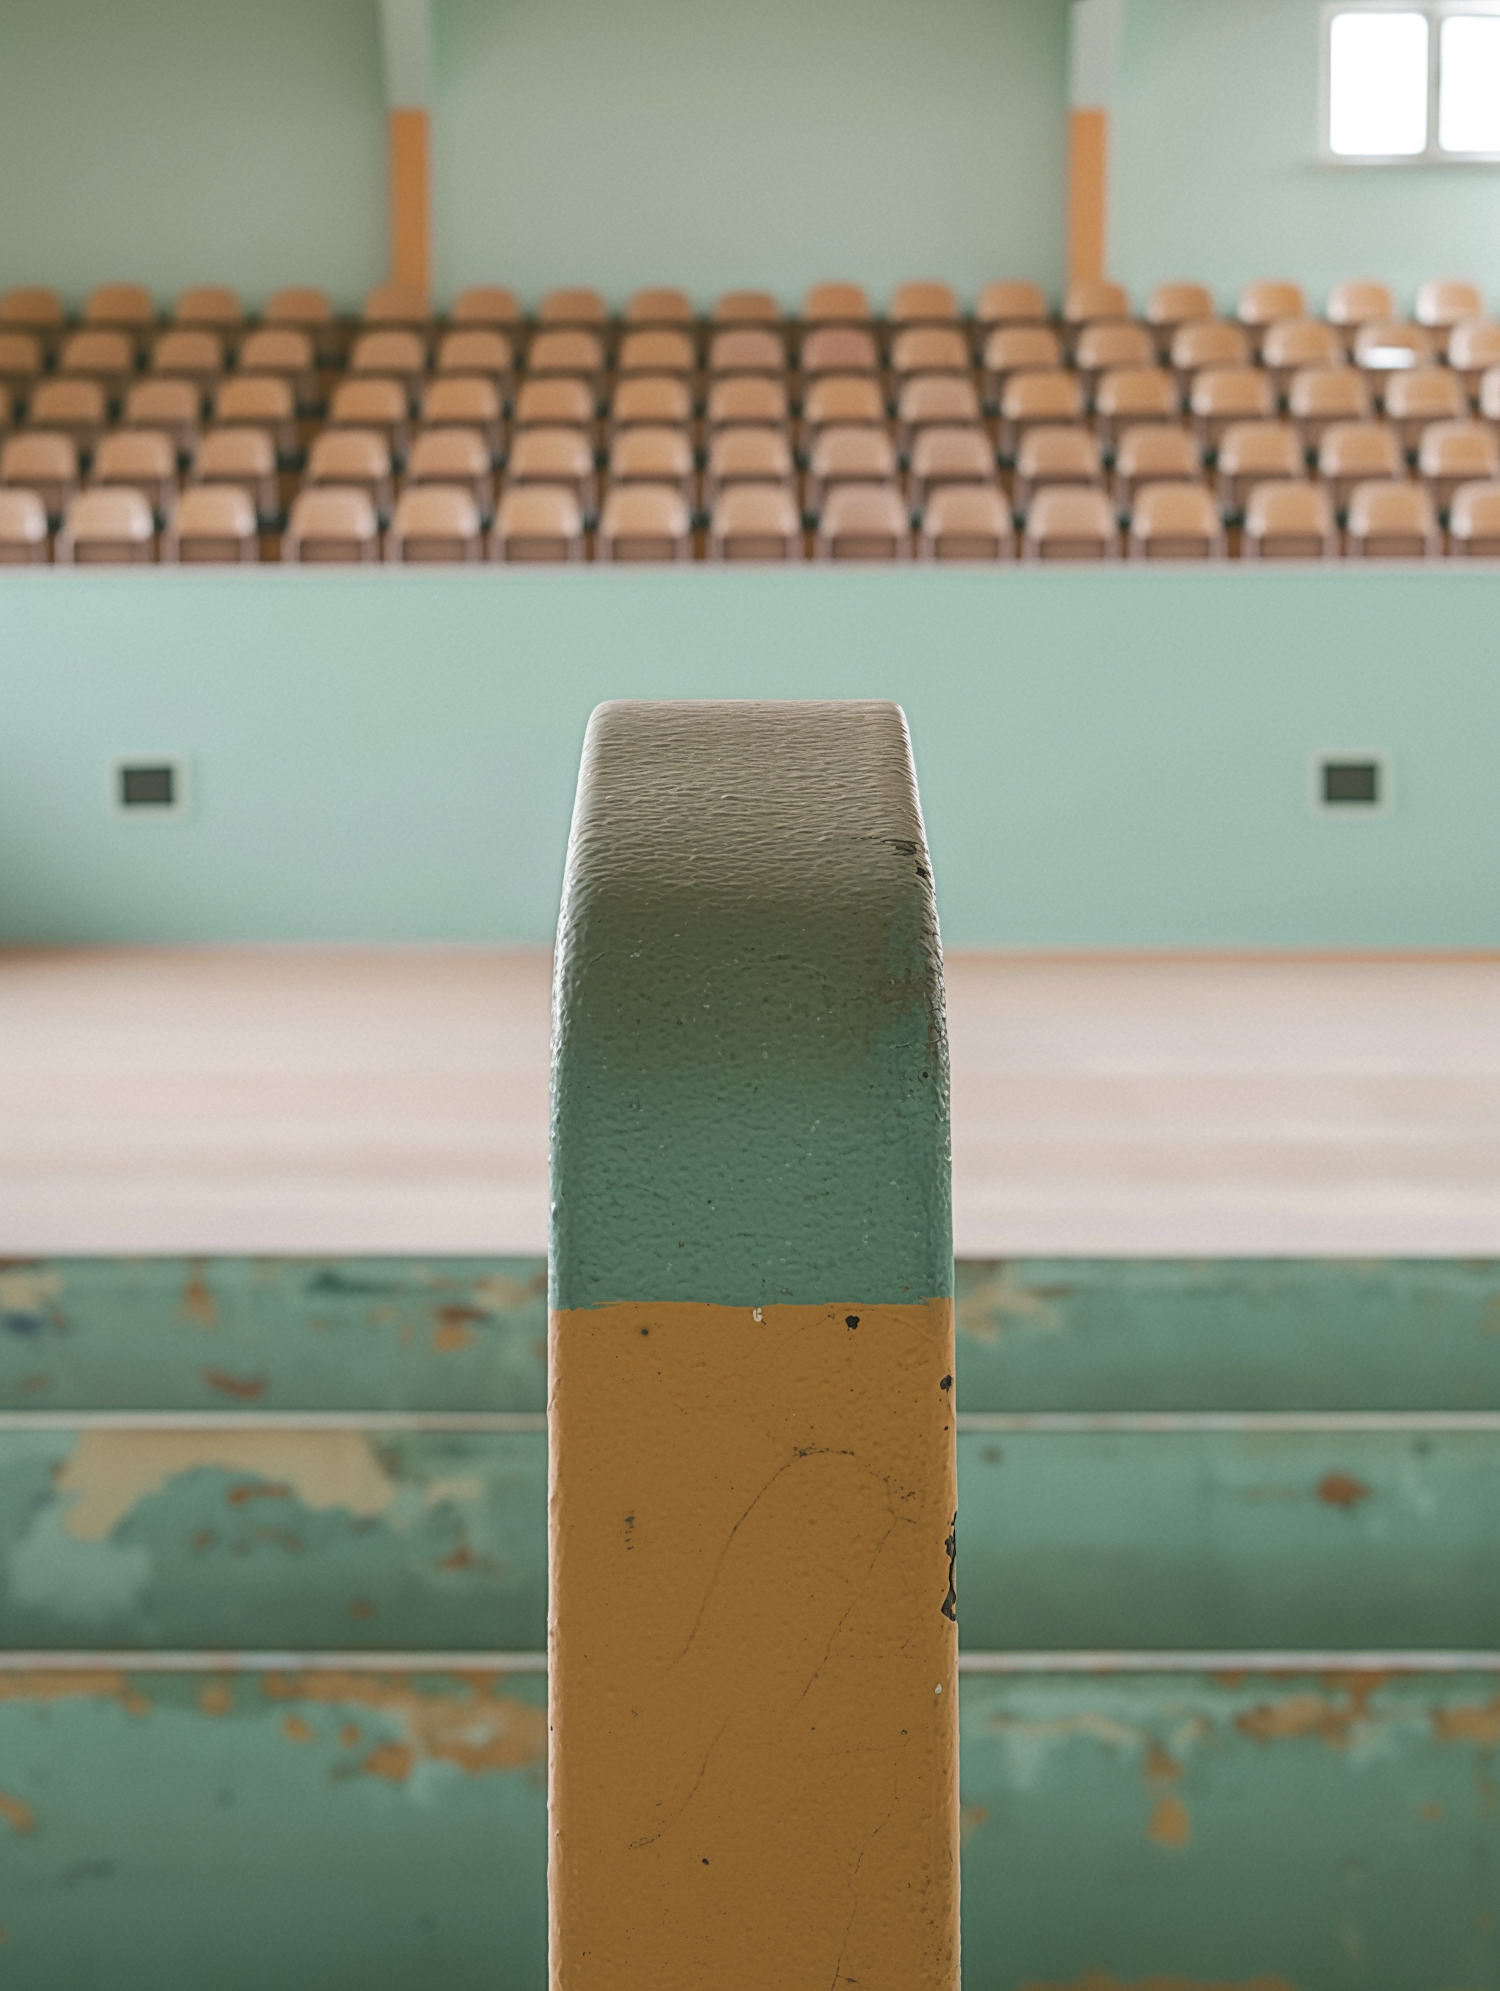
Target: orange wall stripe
1088	165
411	202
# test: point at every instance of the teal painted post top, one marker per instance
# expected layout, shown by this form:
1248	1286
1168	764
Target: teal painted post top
750	1065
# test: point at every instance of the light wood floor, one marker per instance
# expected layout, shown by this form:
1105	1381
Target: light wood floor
223	1100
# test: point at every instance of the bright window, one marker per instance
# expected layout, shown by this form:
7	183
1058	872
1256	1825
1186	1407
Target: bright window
1415	82
1469	92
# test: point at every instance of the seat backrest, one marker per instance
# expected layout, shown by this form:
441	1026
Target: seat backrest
747	349
1176	513
1209	342
1358	449
746	307
1075	520
644	521
1157	451
1017	348
400	353
954	455
120	304
1088	298
1137	391
1109	342
214	306
479	349
283	349
1356	301
331	522
486	304
1385	346
68	404
573	305
1268	446
298	304
1329	390
267	398
1291	342
749	399
923	302
348	456
1010	301
846	450
1475	512
936	397
1382	510
1263	302
567	351
21	356
550	455
32	307
975	516
544	403
395	304
836	304
1444	301
1068	455
1293	512
455	455
764	514
864	521
1474	344
540	521
1428	391
108	524
23	523
470	400
842	398
213	511
434	522
1055	396
1239	390
39	455
1176	303
659	351
102	354
651	453
191	351
130	456
372	402
652	397
755	454
1458	448
229	454
664	305
930	349
839	349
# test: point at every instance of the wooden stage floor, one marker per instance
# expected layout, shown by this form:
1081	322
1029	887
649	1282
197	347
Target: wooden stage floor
236	1100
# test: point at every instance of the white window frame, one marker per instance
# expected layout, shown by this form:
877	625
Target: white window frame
1436	12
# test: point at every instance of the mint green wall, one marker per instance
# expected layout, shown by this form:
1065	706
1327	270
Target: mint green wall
1216	173
693	142
191	141
1116	758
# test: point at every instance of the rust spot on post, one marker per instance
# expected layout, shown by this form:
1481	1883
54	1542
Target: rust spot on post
1479	1724
217	1698
477	1725
18	1816
1171	1824
199	1307
1342	1490
245	1389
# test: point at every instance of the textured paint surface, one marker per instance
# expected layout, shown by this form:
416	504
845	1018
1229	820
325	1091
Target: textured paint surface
750	1072
753	1652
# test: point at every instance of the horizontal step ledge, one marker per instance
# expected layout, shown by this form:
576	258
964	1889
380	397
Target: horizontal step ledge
1058	1423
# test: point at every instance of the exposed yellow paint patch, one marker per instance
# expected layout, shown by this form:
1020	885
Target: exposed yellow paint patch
1102	1728
295	1729
970	1818
987	1309
478	1726
198	1306
18	1816
1159	1767
497	1294
1469	1724
1103	1980
457	1489
108	1472
104	1684
753	1682
1171	1823
217	1698
24	1288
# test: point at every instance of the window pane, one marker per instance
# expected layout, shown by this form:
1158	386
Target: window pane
1469	87
1377	83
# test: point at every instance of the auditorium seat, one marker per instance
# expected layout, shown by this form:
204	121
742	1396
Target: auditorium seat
1474	346
107	528
465	401
1250	453
264	403
331	525
1427	394
1129	395
663	306
746	349
754	522
128	308
966	522
46	463
1010	301
104	355
934	399
836	304
1487	400
1474	522
435	523
1292	343
1317	396
1260	304
211	307
1446	301
746	307
1013	349
1055	456
943	456
1109	344
1355	303
863	522
1175	522
660	350
396	306
23	529
749	455
304	308
1068	522
1454	453
1388	346
397	354
922	303
562	402
372	404
748	399
1204	343
1088	300
840	399
653	455
212	524
1352	453
188	353
1153	454
143	459
659	400
1290	520
21	361
282	352
1391	521
358	458
173	406
1224	394
76	408
557	456
644	522
927	349
1174	304
486	306
847	453
1032	400
845	349
35	309
454	456
537	523
574	305
569	352
244	458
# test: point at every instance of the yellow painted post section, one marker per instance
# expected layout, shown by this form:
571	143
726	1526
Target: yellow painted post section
751	1522
1088	188
411	205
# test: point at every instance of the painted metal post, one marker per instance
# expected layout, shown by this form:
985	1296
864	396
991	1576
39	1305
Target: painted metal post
753	1758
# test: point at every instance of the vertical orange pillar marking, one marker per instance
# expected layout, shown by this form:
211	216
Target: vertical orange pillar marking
411	204
1088	169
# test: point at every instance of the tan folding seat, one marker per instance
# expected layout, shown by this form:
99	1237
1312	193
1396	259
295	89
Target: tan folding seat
1474	522
863	522
663	306
486	306
143	459
746	349
1261	304
1355	303
1353	453
107	528
372	404
1224	394
836	304
659	351
922	303
754	522
1488	397
357	458
1207	342
44	463
213	524
554	456
747	307
23	529
1174	304
1032	400
655	400
105	356
1251	453
191	354
1153	454
576	306
283	352
1290	520
839	349
934	400
840	399
391	355
211	307
1013	349
1070	522
8	408
538	523
845	453
122	307
967	522
244	459
480	351
644	522
76	408
1111	343
943	456
454	457
266	402
1009	301
1090	299
653	456
747	456
465	401
558	403
1317	396
1446	301
1454	453
1427	394
331	525
1055	456
1392	521
571	352
32	308
304	308
748	399
396	304
1293	343
1175	522
21	361
435	523
929	349
1389	347
1474	347
1129	395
